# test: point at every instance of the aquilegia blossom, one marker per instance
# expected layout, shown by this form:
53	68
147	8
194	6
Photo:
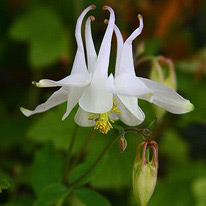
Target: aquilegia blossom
103	99
87	83
129	87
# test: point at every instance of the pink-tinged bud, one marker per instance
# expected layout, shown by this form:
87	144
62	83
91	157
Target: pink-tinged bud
163	71
122	143
145	172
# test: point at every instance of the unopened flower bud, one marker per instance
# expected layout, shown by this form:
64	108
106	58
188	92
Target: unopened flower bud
122	143
163	71
145	173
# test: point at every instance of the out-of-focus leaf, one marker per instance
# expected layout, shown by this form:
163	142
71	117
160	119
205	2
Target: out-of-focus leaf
197	62
91	198
50	127
174	146
176	188
36	25
52	194
47	168
43	30
14	136
170	193
194	90
121	163
199	190
78	171
46	52
152	46
4	183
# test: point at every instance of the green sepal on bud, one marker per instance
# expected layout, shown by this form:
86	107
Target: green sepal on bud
145	172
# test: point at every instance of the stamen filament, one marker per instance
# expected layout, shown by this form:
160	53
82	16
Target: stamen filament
103	122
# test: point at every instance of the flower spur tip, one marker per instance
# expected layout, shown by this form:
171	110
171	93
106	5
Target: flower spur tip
139	16
37	84
92	18
190	107
93	6
26	112
105	7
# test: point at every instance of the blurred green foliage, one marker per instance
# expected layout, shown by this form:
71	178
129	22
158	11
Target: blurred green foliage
36	41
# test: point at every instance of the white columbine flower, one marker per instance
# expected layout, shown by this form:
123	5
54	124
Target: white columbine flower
101	99
129	88
87	83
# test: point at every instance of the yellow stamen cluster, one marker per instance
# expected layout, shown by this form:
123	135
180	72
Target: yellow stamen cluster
103	121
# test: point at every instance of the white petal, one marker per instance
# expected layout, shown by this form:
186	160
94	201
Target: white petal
91	52
73	80
127	85
126	62
136	32
79	65
82	118
105	48
96	98
56	98
131	113
73	98
120	43
166	98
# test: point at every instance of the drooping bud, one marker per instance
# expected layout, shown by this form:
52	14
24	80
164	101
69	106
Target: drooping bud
163	71
122	143
145	172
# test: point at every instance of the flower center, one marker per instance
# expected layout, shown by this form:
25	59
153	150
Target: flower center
103	121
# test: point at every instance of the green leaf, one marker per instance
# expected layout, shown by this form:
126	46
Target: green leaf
176	188
82	168
91	198
36	25
152	46
199	190
50	127
52	194
47	168
174	146
47	52
43	30
188	87
4	183
120	163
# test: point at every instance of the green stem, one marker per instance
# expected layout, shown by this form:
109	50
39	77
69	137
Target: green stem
144	59
83	148
69	152
96	162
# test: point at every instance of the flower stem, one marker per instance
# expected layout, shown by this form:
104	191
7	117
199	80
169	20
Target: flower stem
96	162
83	148
69	152
144	59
